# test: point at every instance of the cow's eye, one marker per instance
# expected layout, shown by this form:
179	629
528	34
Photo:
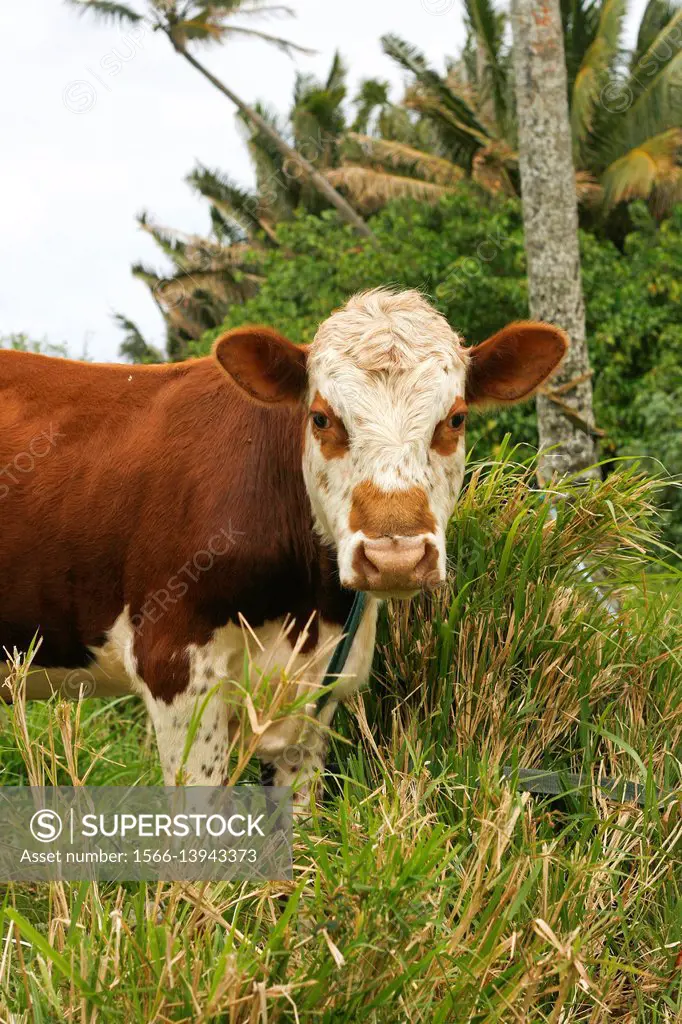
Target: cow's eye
321	421
457	420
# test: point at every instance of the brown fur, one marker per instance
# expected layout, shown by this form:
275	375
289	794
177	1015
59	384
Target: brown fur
446	439
386	513
148	465
512	364
334	438
269	367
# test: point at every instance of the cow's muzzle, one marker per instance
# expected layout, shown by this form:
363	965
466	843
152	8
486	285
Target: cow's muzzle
396	566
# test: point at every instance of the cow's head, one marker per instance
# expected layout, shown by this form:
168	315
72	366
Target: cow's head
387	386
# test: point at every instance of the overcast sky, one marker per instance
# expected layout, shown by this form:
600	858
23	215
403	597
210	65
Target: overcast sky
89	142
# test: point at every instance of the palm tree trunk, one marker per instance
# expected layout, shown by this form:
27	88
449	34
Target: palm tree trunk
324	187
550	217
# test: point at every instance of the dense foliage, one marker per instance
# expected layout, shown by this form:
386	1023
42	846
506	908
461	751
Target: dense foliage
625	115
467	254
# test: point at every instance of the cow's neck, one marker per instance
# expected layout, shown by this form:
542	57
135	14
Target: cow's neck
277	564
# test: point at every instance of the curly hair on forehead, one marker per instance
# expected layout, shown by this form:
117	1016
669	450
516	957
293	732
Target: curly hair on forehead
389	329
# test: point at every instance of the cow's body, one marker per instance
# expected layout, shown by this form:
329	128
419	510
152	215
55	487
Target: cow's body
157	507
148	514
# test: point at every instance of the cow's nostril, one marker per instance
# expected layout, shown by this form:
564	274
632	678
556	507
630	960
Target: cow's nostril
427	569
362	563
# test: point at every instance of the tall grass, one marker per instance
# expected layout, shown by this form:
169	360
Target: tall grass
428	887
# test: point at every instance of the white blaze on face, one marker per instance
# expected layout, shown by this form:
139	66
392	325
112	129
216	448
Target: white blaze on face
385	373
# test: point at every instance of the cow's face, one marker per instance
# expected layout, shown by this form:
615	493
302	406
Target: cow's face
387	387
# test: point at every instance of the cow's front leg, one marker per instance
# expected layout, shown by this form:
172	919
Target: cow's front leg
301	764
192	736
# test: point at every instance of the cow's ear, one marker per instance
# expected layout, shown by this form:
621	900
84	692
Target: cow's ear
268	367
512	364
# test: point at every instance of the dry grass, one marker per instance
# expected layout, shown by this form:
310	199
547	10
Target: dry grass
427	889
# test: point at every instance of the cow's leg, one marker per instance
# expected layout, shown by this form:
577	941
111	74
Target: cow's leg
301	764
192	736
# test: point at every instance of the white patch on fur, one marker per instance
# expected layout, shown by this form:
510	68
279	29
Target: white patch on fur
270	655
391	367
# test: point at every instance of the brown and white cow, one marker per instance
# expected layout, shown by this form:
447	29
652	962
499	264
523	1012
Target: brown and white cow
144	510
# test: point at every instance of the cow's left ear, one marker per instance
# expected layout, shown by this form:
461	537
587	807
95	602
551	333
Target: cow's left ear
268	367
513	363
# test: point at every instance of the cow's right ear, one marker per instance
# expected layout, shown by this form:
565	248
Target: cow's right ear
268	367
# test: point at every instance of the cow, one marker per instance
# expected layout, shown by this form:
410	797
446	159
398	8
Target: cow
154	518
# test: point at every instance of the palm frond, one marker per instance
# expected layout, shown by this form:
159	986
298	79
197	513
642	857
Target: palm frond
171	242
459	140
372	94
230	199
653	164
257	8
317	116
598	60
225	229
657	15
587	189
491	168
107	10
492	65
134	348
398	155
370	189
580	23
656	109
212	24
411	59
663	48
285	45
338	72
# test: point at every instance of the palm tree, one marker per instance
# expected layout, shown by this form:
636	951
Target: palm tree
208	276
550	220
314	127
236	212
626	107
192	21
134	348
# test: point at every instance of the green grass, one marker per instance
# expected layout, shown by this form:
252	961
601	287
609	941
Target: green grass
426	889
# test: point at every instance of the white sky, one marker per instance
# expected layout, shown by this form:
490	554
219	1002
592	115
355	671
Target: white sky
71	183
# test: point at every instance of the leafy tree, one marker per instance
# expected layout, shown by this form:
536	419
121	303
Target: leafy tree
21	342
